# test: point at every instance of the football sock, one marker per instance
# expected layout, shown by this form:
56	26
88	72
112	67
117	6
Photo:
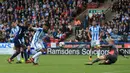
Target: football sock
98	53
36	60
25	55
14	55
91	52
18	56
37	54
28	53
22	54
96	60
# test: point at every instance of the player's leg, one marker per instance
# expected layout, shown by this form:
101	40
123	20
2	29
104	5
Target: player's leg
36	57
90	56
14	55
42	48
24	48
18	58
92	46
105	62
98	48
97	60
98	52
28	51
38	48
17	45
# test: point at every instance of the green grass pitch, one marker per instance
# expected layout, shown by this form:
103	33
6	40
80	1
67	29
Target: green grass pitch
64	64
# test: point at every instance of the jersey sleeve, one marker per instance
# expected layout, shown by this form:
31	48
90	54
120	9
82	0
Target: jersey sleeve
37	29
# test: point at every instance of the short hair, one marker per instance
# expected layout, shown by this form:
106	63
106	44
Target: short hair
48	25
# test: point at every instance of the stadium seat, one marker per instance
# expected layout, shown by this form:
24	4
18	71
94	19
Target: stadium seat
56	40
52	39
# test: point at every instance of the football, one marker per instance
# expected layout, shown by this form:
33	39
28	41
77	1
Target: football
61	44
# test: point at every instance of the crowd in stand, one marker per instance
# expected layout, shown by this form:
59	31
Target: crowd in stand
59	14
120	24
56	13
118	28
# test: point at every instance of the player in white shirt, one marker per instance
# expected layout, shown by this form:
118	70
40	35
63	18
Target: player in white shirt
95	39
37	43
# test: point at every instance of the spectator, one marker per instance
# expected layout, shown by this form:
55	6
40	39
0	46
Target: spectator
38	12
77	24
59	34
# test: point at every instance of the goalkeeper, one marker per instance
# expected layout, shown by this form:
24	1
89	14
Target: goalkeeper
111	57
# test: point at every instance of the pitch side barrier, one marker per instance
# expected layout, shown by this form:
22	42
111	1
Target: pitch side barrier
83	48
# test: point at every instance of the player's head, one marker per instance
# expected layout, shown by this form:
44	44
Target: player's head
45	27
27	24
14	24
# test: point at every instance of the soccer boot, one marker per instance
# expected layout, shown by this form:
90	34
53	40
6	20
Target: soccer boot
28	61
19	62
9	60
89	63
35	63
90	58
32	60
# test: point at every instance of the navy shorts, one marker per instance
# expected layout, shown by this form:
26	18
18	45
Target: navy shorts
17	43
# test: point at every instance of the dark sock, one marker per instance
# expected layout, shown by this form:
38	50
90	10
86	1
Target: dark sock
91	52
14	55
96	60
25	55
28	53
22	54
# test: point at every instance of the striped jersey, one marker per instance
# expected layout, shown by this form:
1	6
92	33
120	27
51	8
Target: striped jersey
95	32
39	34
14	31
21	32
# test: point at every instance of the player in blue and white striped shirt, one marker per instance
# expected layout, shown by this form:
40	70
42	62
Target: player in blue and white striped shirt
37	43
14	31
95	38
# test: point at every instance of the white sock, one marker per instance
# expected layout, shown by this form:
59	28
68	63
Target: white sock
98	53
36	60
18	57
37	54
90	52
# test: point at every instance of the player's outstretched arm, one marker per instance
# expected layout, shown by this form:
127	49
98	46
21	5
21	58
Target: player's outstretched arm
35	28
122	54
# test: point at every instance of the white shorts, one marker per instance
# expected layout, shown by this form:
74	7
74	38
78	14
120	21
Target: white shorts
37	45
95	43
